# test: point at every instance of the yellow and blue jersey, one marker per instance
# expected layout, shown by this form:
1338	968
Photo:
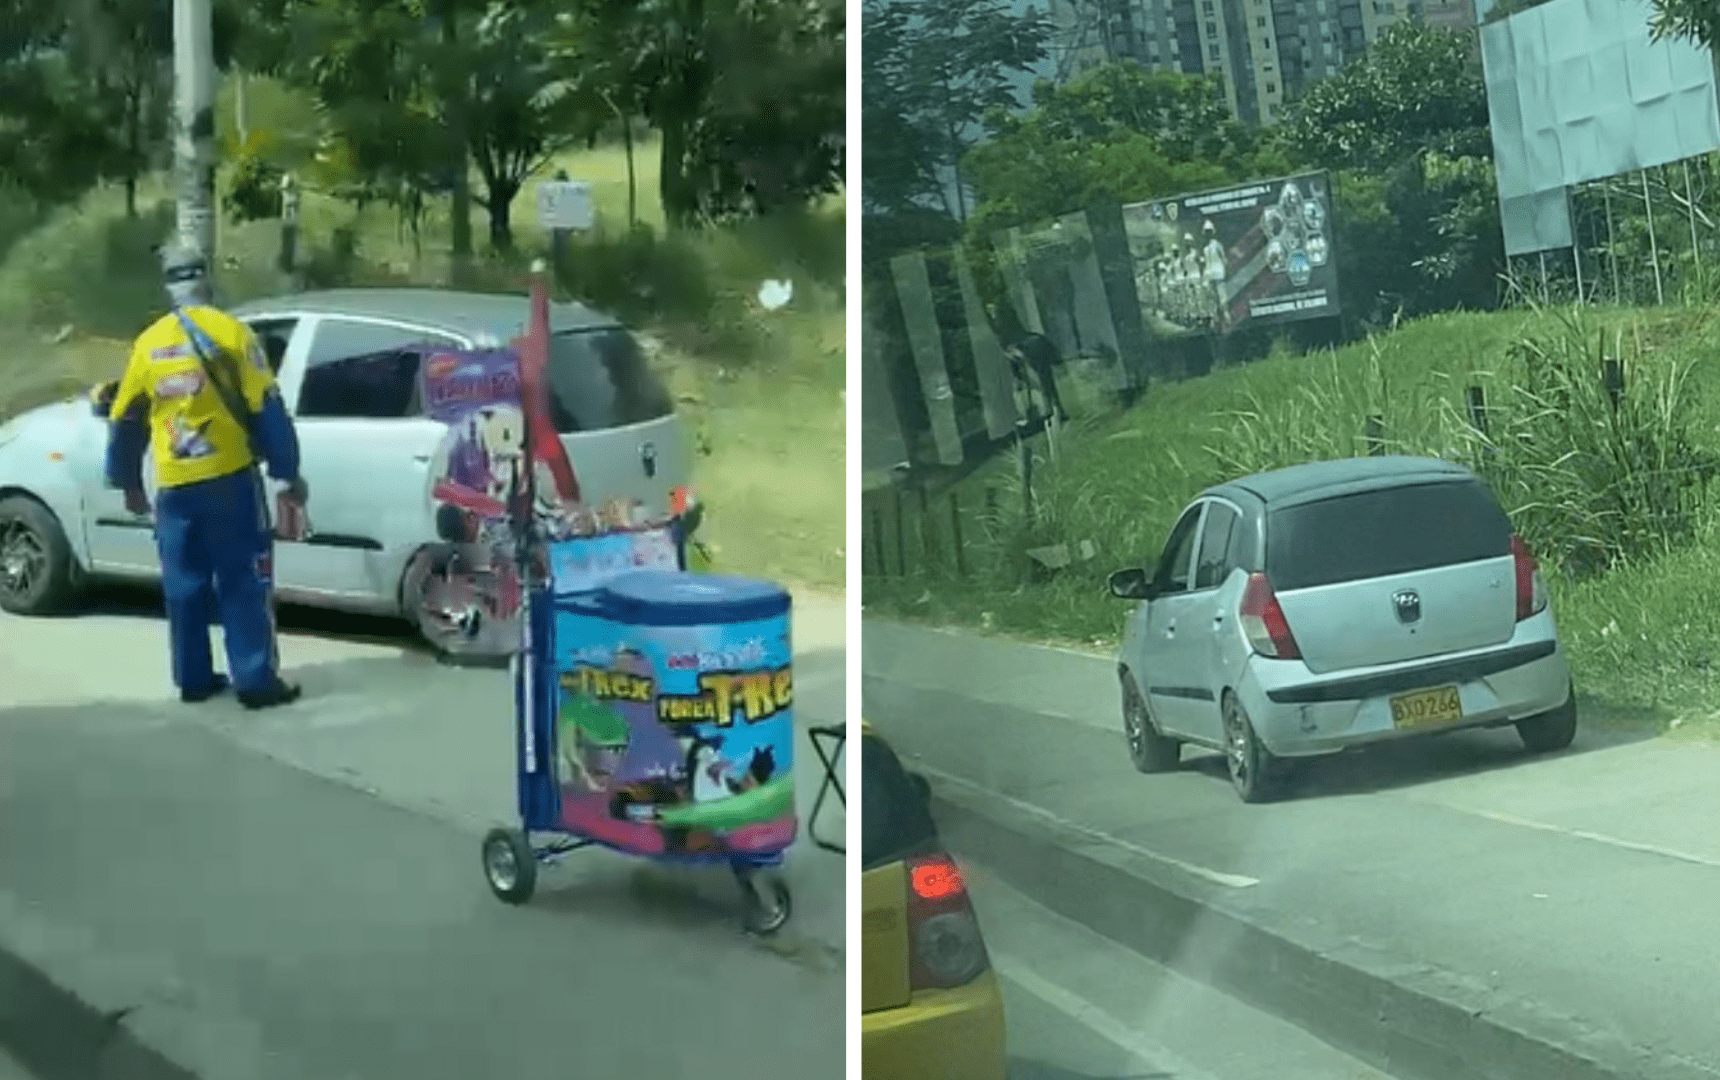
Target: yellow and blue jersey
165	400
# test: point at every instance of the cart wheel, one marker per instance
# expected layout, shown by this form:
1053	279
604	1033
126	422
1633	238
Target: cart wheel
768	903
510	865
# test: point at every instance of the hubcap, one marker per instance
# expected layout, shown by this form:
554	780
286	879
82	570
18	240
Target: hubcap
448	606
503	867
23	559
1237	744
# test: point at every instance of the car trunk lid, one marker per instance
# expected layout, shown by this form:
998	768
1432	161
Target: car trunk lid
1388	575
884	949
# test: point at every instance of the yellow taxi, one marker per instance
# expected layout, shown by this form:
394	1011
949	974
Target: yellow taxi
931	1005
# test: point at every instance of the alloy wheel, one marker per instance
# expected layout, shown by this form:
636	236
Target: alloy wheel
23	559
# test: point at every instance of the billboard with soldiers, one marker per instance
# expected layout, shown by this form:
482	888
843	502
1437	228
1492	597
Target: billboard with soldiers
1254	254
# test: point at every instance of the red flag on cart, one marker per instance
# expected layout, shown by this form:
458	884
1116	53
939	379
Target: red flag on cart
543	444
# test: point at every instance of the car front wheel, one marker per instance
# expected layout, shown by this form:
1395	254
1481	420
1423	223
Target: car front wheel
37	572
1150	751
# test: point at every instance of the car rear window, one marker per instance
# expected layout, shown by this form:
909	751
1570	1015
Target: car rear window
895	821
1388	531
600	379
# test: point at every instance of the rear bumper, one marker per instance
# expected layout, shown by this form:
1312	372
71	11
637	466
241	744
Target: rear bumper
943	1035
1298	714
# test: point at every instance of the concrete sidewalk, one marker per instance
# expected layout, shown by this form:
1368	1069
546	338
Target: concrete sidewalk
1442	909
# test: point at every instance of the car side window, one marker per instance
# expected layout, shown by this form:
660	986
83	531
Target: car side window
368	370
274	335
1172	574
1214	564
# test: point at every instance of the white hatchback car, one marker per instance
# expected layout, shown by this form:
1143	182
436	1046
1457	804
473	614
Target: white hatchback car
1304	611
347	363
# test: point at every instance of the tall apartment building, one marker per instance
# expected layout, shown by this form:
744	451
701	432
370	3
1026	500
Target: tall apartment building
1264	51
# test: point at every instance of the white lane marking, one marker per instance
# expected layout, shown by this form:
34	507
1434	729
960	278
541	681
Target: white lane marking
1217	877
1598	838
1094	1019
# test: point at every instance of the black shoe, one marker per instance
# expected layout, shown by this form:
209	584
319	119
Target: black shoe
217	685
282	693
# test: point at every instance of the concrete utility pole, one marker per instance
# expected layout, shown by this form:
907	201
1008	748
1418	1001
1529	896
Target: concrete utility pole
194	130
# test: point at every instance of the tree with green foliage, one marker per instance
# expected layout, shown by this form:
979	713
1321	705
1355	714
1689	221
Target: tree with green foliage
1118	133
940	70
401	80
1405	127
749	97
1416	89
1688	20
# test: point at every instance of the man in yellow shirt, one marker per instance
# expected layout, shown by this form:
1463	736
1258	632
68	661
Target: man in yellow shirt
199	392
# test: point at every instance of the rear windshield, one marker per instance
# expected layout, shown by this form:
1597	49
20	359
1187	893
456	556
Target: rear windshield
1389	531
895	821
601	379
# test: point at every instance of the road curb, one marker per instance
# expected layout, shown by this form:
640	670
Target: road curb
58	1035
1398	1014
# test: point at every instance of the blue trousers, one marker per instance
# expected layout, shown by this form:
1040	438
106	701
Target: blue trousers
217	553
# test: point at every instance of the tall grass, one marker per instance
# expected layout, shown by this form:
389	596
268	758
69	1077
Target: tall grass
1613	497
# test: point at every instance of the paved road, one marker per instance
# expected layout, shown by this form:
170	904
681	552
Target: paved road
1079	1008
1564	890
302	887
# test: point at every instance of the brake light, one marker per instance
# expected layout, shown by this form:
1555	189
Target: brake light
1531	589
943	935
1263	621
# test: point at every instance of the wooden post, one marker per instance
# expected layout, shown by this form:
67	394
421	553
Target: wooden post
901	533
1612	379
1477	400
1024	453
288	257
1374	432
956	533
991	506
880	556
928	550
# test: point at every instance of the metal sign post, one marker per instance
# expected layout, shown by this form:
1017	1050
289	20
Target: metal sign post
563	205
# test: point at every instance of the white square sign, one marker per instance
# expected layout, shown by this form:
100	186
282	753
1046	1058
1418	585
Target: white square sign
564	204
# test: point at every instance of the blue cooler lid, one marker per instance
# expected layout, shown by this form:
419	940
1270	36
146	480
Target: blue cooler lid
678	598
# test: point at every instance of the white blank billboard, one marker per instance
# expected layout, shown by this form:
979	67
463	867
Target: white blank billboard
1578	92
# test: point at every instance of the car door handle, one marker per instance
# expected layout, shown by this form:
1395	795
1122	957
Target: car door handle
422	459
1171	628
1218	620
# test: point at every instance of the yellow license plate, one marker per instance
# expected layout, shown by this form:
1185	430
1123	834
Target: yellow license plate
1427	708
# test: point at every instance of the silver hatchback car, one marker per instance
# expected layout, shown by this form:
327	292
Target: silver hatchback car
1307	610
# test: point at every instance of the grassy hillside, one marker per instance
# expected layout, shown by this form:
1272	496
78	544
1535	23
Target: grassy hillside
1614	500
762	389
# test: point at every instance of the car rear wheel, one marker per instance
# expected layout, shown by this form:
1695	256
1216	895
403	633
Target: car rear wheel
1150	751
1552	730
1256	775
37	571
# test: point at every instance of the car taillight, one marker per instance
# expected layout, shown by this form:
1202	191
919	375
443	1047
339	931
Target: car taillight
1263	621
944	939
1531	590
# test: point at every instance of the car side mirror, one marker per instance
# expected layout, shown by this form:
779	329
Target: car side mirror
1132	584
